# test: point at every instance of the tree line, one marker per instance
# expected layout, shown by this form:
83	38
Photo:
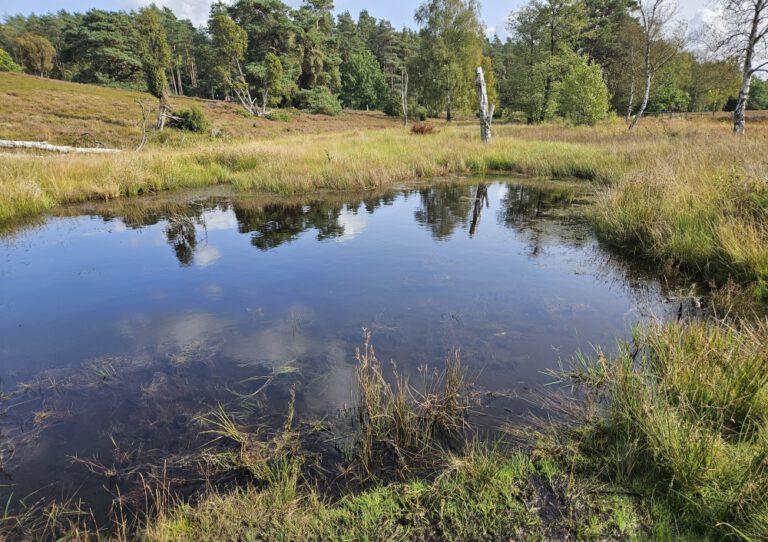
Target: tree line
575	59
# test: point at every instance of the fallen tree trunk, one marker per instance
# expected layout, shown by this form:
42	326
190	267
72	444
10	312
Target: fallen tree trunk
43	146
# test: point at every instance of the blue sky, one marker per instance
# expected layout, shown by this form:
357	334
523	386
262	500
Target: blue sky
399	12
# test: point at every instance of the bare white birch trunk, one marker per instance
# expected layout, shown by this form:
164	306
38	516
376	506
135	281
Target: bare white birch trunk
43	146
644	104
746	78
486	109
404	96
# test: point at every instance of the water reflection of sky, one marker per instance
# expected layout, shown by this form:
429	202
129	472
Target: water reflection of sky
190	299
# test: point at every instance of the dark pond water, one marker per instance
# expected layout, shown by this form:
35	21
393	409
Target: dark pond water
120	325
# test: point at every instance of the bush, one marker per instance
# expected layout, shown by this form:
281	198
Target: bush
420	128
393	105
6	62
191	120
583	94
279	116
509	114
319	101
418	112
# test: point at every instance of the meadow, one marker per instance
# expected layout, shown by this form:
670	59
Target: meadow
672	439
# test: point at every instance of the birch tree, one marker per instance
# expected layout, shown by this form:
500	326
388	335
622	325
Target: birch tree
155	56
229	45
741	33
486	108
450	50
660	43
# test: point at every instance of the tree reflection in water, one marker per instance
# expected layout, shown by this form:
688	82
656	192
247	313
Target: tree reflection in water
444	208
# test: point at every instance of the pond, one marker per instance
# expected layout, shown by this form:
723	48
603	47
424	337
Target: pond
121	324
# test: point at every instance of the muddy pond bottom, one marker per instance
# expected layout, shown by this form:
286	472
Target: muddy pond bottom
122	325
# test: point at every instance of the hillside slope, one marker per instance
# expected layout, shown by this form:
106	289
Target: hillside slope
66	113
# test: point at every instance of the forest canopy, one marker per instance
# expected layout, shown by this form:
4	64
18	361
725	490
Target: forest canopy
571	59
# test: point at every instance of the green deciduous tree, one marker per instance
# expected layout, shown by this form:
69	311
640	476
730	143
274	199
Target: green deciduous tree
758	94
450	51
37	54
582	94
362	82
155	57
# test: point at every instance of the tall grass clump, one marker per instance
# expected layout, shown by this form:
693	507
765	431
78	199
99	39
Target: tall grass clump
688	420
683	204
403	428
448	488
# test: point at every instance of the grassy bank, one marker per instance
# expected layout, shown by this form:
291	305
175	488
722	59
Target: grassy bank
291	165
674	450
687	424
416	473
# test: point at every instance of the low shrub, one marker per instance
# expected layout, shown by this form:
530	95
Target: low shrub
6	62
319	101
421	128
191	120
418	112
278	116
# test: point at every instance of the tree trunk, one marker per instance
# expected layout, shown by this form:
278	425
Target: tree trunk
547	93
739	116
486	109
172	79
264	100
746	76
448	104
404	96
178	76
163	111
631	100
192	68
644	104
43	146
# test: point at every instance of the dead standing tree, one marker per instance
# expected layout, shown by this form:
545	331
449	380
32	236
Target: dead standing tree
404	96
486	109
659	45
741	33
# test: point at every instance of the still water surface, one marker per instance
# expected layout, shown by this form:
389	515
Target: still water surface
123	324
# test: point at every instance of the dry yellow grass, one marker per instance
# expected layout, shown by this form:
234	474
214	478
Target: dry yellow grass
63	113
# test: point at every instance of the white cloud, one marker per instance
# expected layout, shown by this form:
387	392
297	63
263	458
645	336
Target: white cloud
354	225
220	220
207	255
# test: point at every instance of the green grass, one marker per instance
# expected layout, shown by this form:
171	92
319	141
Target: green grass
687	424
482	498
